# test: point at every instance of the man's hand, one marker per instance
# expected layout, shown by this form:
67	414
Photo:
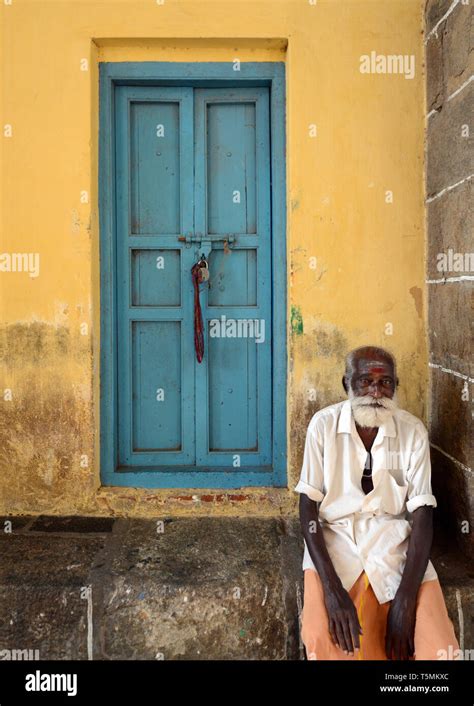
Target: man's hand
344	626
399	638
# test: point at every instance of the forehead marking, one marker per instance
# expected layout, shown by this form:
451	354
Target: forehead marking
376	370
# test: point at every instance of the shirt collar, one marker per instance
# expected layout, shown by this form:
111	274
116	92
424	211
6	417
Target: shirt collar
346	423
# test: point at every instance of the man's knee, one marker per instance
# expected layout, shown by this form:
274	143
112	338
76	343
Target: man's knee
316	639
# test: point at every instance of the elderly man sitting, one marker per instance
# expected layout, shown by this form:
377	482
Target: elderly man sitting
370	590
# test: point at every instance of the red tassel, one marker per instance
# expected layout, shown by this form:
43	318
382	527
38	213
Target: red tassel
198	324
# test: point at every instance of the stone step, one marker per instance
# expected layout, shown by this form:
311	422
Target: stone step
174	588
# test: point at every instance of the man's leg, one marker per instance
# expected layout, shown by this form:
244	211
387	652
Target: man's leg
315	625
434	631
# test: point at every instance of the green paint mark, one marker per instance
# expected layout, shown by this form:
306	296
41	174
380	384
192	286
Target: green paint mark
296	320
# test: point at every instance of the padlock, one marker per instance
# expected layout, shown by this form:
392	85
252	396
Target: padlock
204	270
204	273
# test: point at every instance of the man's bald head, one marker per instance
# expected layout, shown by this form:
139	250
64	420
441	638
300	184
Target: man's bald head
370	380
369	354
365	358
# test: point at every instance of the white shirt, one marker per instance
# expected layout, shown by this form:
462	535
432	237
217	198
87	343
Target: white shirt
367	532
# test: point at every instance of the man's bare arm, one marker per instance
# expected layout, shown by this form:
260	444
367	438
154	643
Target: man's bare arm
344	624
399	640
419	548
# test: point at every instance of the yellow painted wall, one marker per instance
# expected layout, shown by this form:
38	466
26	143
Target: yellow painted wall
370	254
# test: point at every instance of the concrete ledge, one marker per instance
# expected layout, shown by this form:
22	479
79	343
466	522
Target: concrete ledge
174	588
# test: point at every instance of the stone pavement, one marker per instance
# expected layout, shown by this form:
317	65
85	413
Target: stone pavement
173	588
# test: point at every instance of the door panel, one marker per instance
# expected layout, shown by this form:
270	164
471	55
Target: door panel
155	166
147	288
236	285
233	395
231	156
156	355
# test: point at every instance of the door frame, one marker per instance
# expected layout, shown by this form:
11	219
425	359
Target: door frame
195	74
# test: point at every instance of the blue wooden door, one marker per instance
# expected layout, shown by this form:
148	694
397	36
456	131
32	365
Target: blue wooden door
192	173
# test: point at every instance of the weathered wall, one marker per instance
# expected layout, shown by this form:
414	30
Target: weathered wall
368	281
450	191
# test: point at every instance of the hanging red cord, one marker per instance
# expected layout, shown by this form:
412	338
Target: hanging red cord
198	325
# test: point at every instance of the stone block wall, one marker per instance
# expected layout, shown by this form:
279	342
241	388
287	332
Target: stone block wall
449	55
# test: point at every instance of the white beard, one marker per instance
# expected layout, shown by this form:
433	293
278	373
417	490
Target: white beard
367	415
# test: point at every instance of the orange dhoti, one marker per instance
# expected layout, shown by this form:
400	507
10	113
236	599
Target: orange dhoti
434	631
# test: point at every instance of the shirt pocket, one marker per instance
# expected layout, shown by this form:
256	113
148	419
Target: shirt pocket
393	494
389	497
